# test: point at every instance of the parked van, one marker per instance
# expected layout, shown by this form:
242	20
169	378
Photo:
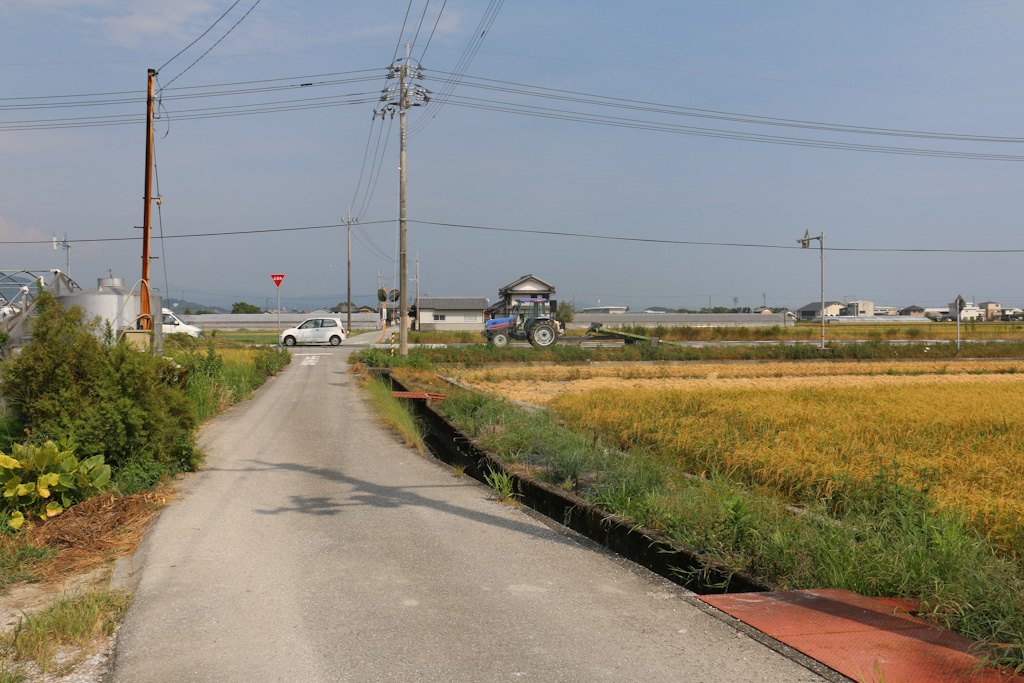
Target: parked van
174	325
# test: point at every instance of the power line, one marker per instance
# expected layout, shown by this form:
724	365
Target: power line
468	54
553	233
436	22
200	35
216	43
197	234
649	240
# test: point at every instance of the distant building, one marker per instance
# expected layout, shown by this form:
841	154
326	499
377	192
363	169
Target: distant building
912	310
969	312
812	310
886	310
763	310
991	310
435	313
608	309
859	309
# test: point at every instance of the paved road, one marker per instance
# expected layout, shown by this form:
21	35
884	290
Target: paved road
313	546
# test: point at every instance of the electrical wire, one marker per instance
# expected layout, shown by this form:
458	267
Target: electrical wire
436	22
401	33
198	234
420	25
468	54
553	233
200	35
620	238
235	25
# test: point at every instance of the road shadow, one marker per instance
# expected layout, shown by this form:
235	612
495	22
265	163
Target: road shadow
385	497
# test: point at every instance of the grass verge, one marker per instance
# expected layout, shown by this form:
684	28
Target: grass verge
74	623
887	539
397	414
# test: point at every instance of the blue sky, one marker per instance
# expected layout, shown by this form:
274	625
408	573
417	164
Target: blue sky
937	66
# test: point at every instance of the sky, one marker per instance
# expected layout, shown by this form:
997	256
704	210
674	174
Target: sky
657	215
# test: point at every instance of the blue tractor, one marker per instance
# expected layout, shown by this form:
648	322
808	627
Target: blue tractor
528	319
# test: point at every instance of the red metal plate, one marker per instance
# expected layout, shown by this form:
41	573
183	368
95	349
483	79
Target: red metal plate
859	637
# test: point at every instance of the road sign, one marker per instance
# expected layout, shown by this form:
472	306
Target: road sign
960	303
277	279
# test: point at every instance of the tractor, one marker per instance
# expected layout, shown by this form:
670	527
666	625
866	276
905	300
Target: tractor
528	319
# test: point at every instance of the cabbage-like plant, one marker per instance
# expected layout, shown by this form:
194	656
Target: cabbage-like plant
46	480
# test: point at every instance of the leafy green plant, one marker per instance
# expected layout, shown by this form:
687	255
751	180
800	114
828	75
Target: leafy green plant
46	480
502	483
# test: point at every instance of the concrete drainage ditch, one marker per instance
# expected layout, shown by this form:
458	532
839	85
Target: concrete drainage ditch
647	547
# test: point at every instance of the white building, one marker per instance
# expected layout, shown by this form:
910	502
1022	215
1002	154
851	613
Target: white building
436	313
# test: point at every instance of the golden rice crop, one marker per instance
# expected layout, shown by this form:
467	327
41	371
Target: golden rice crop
798	441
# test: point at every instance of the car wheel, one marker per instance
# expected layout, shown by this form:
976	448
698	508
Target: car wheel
543	334
335	340
289	341
499	339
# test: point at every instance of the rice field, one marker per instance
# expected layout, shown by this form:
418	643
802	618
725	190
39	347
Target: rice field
800	430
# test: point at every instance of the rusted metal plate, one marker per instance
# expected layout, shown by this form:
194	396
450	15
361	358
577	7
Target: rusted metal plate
418	394
862	638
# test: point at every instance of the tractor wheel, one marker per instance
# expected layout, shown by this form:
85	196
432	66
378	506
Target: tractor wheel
499	339
543	334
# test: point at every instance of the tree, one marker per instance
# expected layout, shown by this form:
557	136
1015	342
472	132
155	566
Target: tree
243	307
566	312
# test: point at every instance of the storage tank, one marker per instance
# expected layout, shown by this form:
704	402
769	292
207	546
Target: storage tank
113	301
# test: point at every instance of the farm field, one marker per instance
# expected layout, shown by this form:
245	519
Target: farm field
799	430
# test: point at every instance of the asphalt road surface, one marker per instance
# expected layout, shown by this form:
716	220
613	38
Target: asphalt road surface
314	546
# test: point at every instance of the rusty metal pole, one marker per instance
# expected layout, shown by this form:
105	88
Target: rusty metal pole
146	317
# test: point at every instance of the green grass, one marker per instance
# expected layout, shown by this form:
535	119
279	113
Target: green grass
397	414
18	559
889	540
76	620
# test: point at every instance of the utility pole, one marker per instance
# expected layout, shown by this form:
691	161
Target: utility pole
417	291
348	302
146	315
805	243
406	96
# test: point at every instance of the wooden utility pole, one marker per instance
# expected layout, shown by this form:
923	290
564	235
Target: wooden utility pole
146	315
403	273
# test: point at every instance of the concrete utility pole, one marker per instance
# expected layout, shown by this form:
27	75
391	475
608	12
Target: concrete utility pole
403	273
407	96
417	291
805	243
348	322
146	315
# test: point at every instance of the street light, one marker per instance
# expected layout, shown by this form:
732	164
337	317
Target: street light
805	243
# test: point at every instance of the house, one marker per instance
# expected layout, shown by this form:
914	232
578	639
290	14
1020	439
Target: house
763	310
859	309
912	310
436	313
366	309
991	310
812	310
526	287
969	311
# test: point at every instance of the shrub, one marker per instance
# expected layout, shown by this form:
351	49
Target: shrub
47	480
117	402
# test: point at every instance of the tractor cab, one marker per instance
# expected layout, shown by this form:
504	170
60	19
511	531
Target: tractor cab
528	319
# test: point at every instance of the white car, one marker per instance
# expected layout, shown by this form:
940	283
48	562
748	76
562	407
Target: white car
315	331
174	325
